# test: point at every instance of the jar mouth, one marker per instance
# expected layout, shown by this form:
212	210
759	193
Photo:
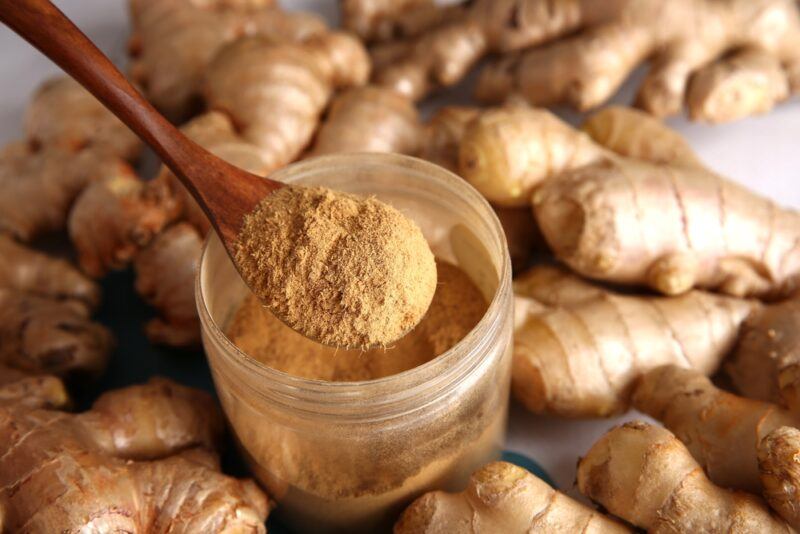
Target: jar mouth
379	395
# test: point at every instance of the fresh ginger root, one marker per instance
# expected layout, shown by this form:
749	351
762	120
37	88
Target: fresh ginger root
129	464
62	113
579	348
502	497
646	213
742	62
279	113
44	316
32	391
165	273
174	41
369	119
780	475
24	270
116	216
720	429
644	474
766	362
72	140
443	134
382	20
44	336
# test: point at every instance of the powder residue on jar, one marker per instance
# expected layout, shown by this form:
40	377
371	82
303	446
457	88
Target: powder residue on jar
456	308
344	270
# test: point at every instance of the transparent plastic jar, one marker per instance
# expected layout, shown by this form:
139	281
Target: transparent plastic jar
348	456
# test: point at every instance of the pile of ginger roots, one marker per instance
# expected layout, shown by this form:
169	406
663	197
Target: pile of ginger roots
643	279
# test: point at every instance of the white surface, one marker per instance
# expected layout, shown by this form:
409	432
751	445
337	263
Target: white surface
761	152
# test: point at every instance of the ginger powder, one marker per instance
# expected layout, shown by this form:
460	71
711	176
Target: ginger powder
344	270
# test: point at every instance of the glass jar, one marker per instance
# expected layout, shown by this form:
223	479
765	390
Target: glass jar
349	456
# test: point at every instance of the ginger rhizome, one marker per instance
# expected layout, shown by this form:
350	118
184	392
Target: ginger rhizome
114	217
45	324
641	211
578	348
165	273
173	42
140	460
778	452
644	475
744	61
766	362
720	429
502	497
279	113
369	119
71	141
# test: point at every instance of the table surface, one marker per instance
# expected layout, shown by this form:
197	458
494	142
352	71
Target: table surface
761	152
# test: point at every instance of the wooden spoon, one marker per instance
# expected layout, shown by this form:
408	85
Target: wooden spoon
226	193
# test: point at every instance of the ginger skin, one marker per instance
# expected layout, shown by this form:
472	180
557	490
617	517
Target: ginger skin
114	468
174	41
644	474
72	141
502	497
714	71
780	476
766	362
278	113
595	206
165	273
115	217
44	318
579	348
720	429
369	119
32	391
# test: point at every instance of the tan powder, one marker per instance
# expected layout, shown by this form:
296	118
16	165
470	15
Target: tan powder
344	270
456	308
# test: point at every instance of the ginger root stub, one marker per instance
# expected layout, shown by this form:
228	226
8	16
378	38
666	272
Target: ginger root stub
344	270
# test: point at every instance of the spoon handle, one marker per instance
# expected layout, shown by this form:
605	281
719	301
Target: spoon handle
214	183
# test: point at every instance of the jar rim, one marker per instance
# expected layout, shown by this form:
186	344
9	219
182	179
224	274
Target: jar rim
386	396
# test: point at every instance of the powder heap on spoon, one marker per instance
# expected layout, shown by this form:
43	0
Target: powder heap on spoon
344	270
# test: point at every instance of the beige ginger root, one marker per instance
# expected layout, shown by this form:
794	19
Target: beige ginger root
129	464
369	119
63	113
579	348
115	217
741	63
654	217
174	41
31	391
720	429
72	140
381	20
644	474
502	497
778	452
766	362
44	316
27	271
165	272
275	93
